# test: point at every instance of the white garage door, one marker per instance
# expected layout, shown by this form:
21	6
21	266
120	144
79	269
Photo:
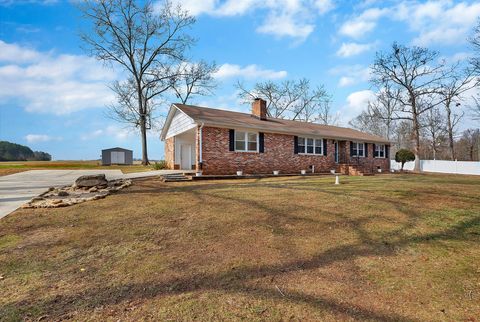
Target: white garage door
117	157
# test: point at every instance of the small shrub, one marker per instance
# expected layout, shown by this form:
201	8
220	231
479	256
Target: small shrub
160	165
403	156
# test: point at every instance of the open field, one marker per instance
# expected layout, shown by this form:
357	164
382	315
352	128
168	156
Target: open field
382	248
9	167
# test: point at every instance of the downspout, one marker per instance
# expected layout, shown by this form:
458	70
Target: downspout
200	159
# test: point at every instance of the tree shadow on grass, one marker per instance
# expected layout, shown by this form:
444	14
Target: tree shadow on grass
238	281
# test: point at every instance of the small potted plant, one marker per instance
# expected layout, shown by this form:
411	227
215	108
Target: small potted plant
303	172
240	173
276	172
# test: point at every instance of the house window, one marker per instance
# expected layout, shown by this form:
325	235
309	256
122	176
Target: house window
246	141
301	145
380	151
310	146
358	149
252	141
318	146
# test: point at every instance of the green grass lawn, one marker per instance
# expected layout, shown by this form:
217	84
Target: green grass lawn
8	167
382	248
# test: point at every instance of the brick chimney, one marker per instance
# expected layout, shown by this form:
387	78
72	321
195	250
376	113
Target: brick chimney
259	108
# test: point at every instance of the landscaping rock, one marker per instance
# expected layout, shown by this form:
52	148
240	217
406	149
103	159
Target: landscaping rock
77	193
95	180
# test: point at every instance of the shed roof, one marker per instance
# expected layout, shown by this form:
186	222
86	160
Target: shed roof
224	118
117	149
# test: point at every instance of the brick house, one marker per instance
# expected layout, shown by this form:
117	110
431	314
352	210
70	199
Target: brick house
223	142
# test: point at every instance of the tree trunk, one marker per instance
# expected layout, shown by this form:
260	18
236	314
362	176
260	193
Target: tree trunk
416	136
450	131
143	124
143	130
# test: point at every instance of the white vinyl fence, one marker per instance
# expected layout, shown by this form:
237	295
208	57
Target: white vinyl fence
441	166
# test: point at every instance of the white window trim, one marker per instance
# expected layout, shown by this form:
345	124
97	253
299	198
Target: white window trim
246	141
356	155
384	151
314	146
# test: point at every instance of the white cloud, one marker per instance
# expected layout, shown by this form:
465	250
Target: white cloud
324	6
284	18
436	22
351	74
248	72
36	138
346	81
284	24
44	82
361	25
110	131
356	102
356	29
12	53
352	49
194	7
440	22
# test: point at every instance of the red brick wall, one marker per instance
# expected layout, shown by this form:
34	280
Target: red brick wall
170	152
278	155
368	162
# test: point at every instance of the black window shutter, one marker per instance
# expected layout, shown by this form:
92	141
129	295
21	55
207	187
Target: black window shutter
231	143
295	144
324	146
261	139
366	149
387	151
375	154
351	148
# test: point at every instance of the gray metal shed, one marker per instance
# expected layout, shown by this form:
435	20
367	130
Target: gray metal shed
117	156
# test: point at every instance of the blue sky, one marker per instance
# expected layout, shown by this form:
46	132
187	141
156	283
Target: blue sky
53	96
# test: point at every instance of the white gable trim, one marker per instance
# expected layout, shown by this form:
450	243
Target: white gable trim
177	122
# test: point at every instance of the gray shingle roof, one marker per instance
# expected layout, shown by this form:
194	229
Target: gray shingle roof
230	119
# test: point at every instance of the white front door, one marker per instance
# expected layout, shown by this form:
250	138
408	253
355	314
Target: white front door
117	157
186	156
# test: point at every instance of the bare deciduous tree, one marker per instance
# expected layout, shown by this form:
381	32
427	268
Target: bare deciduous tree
459	81
384	109
469	145
291	99
416	75
434	129
194	79
368	122
475	108
325	115
145	42
475	43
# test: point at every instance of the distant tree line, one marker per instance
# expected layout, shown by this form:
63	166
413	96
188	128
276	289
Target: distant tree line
17	152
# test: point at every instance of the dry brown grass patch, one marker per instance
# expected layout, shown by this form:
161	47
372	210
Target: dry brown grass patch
386	248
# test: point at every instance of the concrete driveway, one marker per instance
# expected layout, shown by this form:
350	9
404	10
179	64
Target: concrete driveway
16	189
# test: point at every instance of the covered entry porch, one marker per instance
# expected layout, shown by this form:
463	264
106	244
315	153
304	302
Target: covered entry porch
185	150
